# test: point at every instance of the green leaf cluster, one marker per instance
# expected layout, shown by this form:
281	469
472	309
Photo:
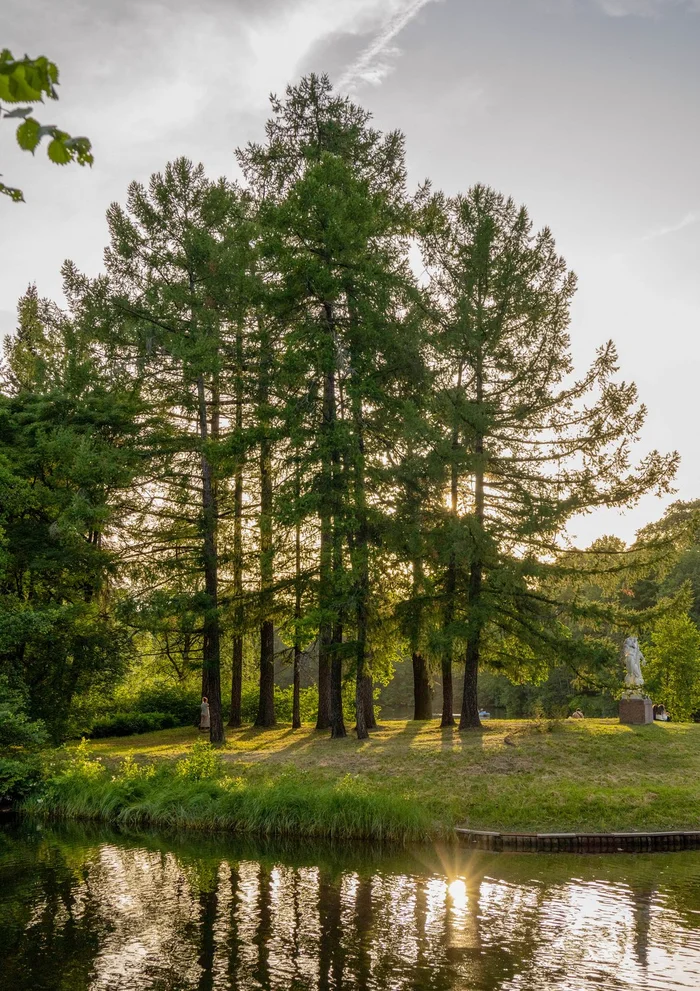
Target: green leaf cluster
28	81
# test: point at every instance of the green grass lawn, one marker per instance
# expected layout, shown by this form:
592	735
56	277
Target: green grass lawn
513	775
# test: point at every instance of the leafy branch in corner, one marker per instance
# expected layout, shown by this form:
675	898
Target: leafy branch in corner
27	81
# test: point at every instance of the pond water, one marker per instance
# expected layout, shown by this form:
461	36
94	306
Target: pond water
89	908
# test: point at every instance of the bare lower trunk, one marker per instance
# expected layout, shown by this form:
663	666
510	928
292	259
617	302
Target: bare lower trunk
360	553
422	693
451	584
323	717
469	717
326	603
266	704
211	652
211	659
296	676
363	717
448	718
296	704
367	691
234	718
338	730
361	727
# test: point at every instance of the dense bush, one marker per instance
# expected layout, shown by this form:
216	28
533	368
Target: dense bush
20	742
159	696
203	763
128	723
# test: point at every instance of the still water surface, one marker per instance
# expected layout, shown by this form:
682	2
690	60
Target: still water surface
84	908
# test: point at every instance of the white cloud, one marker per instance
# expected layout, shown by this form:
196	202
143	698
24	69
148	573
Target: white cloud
689	220
373	65
643	8
148	80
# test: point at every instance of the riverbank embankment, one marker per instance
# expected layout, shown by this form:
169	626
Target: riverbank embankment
409	781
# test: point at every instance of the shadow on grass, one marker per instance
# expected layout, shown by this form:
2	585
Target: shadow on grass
277	747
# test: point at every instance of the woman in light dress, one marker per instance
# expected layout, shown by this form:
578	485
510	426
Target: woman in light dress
204	722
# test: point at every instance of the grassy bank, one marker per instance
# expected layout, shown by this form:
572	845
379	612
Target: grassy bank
408	782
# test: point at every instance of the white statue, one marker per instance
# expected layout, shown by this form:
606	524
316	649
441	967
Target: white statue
634	659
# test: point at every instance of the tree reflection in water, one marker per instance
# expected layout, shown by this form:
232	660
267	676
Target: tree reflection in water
83	909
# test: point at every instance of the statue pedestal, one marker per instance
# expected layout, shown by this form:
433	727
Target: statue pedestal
636	711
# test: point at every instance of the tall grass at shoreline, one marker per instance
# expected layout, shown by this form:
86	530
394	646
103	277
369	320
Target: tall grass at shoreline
408	782
196	793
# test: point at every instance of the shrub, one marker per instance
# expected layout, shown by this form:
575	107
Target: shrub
80	765
131	770
128	723
177	701
202	763
20	741
157	696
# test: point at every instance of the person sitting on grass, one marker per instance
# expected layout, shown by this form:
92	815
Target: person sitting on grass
577	714
661	714
204	716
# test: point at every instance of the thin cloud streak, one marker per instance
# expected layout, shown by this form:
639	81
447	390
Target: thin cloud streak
689	220
368	67
644	8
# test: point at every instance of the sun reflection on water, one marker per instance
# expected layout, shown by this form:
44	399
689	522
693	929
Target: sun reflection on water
130	918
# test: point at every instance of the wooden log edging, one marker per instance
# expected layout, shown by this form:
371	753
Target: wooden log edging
482	839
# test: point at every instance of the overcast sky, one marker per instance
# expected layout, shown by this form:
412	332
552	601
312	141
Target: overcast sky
588	111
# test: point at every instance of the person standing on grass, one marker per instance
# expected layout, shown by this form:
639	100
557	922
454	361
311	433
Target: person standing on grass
204	716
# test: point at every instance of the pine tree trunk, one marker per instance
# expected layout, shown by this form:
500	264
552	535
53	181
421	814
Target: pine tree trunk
451	584
364	718
211	654
448	718
422	688
296	703
296	677
237	652
367	690
234	718
325	633
422	694
266	704
338	730
469	717
325	639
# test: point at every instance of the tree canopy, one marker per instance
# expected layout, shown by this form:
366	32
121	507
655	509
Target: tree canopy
262	436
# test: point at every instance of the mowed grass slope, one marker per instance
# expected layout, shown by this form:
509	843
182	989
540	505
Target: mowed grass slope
592	775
